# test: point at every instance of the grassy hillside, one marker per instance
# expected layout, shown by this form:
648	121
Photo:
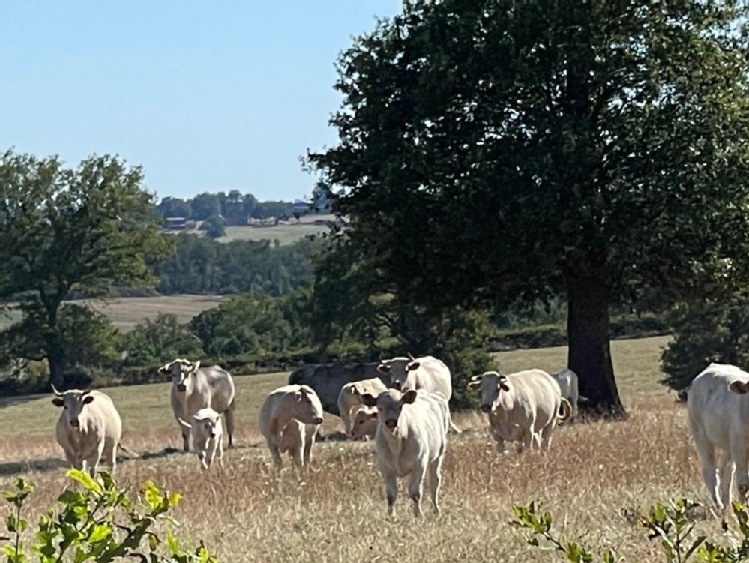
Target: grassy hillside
594	475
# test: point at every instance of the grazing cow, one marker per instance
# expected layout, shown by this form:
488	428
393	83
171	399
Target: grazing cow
349	399
410	442
207	436
718	413
289	420
567	380
195	388
523	407
327	380
365	423
89	429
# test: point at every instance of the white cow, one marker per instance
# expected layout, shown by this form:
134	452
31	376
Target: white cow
523	407
349	399
89	429
426	372
568	385
718	413
410	441
207	435
195	388
289	420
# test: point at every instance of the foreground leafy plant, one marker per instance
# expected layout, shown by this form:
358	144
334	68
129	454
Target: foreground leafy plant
671	523
99	523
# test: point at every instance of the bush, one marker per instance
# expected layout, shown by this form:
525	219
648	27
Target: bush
98	524
705	332
671	524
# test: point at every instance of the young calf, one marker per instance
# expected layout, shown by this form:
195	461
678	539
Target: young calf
207	435
365	423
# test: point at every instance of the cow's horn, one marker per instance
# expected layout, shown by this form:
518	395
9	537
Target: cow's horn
56	392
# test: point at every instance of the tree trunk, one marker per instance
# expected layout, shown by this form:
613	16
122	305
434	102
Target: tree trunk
56	360
589	354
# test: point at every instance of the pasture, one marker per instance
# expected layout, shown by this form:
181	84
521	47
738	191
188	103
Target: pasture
594	476
127	312
286	232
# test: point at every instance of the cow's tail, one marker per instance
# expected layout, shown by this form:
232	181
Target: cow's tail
565	410
128	451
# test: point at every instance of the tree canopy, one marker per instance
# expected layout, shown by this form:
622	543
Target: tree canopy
496	150
83	229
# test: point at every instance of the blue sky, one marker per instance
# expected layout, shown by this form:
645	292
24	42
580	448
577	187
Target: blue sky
206	96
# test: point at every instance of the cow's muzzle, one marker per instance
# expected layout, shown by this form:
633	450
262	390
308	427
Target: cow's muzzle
391	423
181	387
75	423
486	408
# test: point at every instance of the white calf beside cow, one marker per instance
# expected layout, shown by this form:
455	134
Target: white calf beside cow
89	429
289	420
349	399
523	407
194	388
207	435
410	441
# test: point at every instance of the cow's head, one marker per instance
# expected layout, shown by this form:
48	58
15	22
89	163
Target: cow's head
183	374
490	384
389	405
397	368
365	423
307	406
72	402
209	421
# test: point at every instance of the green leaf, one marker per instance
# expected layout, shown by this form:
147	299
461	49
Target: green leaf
84	479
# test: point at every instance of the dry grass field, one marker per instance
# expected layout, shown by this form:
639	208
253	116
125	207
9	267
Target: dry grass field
127	312
593	476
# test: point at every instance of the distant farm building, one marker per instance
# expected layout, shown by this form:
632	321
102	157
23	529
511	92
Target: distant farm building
172	224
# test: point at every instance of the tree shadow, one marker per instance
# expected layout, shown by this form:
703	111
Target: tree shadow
6	402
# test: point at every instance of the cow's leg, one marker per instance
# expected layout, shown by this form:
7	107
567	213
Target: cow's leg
185	437
525	441
308	450
229	419
740	456
220	446
346	419
391	489
435	478
112	455
706	453
275	453
546	434
726	470
499	441
416	487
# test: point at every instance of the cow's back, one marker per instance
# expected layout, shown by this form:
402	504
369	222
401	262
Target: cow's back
328	379
715	412
536	391
432	375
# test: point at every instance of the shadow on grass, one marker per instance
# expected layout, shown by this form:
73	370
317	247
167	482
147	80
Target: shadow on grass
10	468
6	402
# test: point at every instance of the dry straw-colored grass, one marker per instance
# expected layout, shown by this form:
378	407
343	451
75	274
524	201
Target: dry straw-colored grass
593	477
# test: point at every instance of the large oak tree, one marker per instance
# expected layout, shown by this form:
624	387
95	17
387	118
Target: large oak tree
493	150
84	229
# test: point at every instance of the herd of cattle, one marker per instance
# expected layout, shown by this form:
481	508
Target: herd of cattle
402	403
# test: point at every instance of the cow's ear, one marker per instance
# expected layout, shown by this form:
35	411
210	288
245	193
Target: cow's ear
369	399
740	387
383	368
409	396
475	383
196	367
58	402
413	366
87	399
502	383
